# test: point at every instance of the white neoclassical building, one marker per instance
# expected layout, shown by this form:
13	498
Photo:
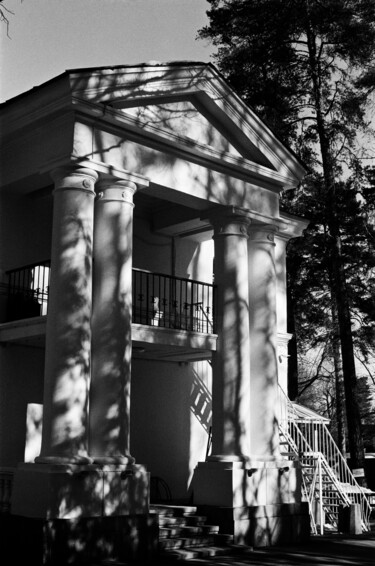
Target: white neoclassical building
143	304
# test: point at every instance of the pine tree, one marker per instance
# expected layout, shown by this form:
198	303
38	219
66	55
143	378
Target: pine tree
305	67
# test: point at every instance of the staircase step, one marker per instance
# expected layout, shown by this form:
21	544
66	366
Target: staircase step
171	543
210	529
194	553
179	554
206	552
210	551
184	535
166	520
184	542
174	510
169	532
191	530
195	519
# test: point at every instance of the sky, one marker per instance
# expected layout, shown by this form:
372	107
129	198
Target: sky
47	37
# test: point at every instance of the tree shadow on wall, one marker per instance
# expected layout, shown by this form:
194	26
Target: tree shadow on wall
72	364
93	524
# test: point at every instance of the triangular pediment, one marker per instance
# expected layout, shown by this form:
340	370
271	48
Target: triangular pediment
190	106
181	118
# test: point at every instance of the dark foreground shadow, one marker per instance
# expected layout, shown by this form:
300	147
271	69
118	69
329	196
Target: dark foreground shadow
320	551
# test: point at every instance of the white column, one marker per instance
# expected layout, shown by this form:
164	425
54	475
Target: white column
263	336
68	335
111	323
231	361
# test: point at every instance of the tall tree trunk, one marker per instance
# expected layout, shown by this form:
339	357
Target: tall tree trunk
357	455
335	266
339	384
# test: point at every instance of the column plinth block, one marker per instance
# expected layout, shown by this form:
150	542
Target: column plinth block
254	483
76	491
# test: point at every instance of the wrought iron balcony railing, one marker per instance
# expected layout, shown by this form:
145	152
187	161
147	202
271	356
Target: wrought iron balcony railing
173	302
158	299
28	288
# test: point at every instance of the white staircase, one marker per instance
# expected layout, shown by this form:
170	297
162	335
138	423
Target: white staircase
328	483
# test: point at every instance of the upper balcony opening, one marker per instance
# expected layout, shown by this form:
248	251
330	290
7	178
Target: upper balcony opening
158	299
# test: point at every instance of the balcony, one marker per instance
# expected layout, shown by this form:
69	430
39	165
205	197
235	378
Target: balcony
172	302
167	310
28	289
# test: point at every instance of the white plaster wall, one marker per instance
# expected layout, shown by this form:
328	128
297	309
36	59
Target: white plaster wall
152	252
168	419
200	266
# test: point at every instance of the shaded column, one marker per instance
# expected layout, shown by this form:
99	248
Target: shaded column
68	335
263	336
111	323
231	361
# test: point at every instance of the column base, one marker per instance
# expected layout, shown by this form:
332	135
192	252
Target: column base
258	502
262	525
48	491
239	484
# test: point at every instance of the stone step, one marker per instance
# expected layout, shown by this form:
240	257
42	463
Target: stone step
169	521
178	554
186	531
189	520
195	519
169	532
185	542
194	553
205	552
174	510
192	530
184	535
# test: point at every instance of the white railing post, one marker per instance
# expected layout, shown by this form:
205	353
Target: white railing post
321	510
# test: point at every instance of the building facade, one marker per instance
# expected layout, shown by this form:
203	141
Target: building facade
143	301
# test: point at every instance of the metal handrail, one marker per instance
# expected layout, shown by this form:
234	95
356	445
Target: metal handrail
312	440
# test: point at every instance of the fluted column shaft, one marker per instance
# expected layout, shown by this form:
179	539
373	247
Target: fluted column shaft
68	336
111	323
231	363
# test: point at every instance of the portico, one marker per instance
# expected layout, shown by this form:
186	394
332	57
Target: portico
159	177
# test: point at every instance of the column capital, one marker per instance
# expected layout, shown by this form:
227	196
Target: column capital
73	177
229	221
112	189
262	233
